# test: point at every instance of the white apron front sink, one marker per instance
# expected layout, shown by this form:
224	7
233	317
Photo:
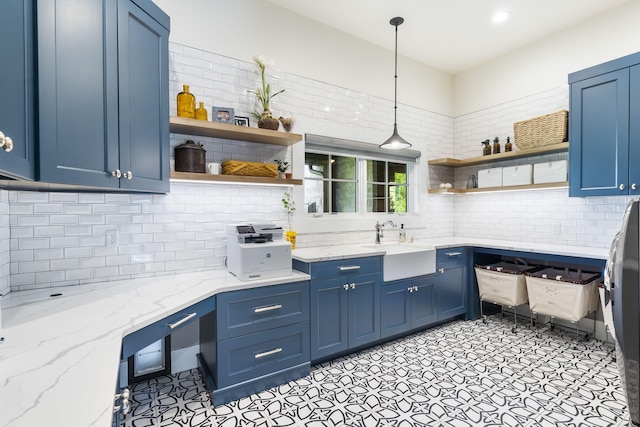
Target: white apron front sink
404	260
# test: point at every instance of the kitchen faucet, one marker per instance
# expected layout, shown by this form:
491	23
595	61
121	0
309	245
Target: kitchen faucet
379	232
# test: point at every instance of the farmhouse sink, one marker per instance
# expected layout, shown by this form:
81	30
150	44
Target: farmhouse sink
404	260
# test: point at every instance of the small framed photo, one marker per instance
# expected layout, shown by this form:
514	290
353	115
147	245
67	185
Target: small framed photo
222	115
242	121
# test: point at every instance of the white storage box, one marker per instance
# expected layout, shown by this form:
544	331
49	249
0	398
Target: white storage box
517	175
550	172
503	283
490	178
565	294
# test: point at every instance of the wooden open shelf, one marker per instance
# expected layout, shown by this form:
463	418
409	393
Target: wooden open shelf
205	177
186	126
492	189
456	163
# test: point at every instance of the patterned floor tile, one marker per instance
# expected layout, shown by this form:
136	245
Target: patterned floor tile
459	374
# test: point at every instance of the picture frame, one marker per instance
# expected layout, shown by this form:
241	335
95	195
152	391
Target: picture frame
242	121
222	115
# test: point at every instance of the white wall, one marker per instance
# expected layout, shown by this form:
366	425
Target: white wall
545	64
244	28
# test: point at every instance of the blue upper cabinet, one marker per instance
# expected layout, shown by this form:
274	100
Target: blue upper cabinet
16	89
103	94
604	149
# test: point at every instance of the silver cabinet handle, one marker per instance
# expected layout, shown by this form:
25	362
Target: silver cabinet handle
8	144
634	186
441	270
5	142
183	320
349	267
410	289
128	175
346	286
117	173
267	353
415	289
268	308
452	254
353	286
125	405
621	187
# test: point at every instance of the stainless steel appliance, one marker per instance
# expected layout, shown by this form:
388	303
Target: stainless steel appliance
257	251
622	299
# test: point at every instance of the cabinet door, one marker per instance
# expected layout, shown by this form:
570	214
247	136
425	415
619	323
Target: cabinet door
634	129
451	290
395	309
364	309
329	317
78	92
143	100
423	302
599	135
16	87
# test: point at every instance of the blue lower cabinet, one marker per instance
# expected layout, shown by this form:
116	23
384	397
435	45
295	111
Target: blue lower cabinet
257	339
251	356
407	304
452	282
344	313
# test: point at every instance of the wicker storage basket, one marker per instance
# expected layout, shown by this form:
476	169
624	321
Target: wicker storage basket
238	167
540	131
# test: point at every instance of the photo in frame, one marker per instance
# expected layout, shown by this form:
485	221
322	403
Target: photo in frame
222	115
242	121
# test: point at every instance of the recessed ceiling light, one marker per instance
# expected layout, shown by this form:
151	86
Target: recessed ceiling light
501	16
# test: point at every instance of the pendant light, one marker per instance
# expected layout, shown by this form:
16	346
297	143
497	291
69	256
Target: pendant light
395	141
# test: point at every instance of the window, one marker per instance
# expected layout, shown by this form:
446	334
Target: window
342	175
330	183
386	186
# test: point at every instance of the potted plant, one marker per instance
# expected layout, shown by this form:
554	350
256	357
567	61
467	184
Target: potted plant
290	206
264	96
282	168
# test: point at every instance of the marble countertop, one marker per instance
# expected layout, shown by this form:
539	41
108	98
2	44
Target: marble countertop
328	253
60	358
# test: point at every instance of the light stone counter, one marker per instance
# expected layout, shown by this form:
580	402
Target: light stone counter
60	359
328	253
59	362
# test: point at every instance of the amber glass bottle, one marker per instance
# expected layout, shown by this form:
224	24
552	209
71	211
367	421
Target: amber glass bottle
507	146
201	112
186	103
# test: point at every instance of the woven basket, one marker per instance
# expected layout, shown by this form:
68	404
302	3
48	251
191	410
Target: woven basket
237	167
540	131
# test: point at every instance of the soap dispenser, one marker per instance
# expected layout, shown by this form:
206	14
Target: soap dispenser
402	234
507	146
496	145
486	150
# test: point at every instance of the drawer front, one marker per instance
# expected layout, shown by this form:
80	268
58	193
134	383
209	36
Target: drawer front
140	339
251	356
451	255
254	310
345	267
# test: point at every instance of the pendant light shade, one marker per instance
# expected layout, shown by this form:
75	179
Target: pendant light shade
395	141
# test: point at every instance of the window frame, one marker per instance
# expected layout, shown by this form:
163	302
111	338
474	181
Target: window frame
361	159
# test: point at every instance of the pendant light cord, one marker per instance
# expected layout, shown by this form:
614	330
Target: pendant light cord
395	79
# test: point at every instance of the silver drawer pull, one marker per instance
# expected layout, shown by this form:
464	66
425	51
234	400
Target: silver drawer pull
454	253
268	308
349	267
267	353
183	320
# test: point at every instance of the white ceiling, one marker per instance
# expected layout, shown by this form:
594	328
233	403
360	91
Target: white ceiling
449	35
